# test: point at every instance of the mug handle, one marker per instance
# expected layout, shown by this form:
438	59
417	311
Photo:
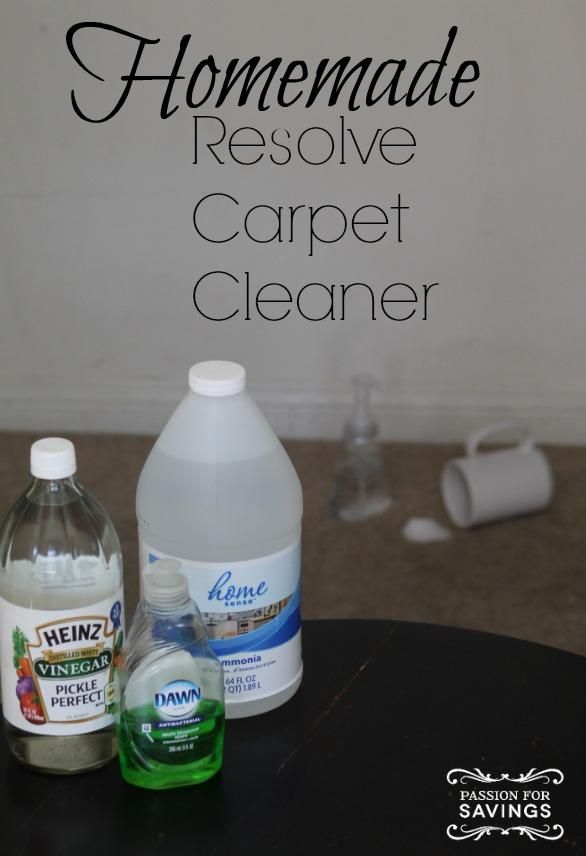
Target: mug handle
478	437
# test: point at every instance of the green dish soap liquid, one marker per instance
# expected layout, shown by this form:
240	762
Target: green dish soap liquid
171	718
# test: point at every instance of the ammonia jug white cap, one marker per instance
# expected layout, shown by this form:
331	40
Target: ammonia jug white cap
53	458
217	377
163	585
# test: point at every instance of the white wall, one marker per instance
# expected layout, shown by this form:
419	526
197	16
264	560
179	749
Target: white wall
98	256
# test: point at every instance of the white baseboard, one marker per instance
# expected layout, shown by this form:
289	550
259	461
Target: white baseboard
143	408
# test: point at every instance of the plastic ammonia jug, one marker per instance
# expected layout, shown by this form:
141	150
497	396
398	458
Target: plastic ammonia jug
219	493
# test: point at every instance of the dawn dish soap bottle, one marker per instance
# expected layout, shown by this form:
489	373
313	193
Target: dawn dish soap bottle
61	619
219	493
171	724
361	488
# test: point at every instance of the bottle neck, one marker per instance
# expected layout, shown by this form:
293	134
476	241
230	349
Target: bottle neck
54	491
180	615
180	606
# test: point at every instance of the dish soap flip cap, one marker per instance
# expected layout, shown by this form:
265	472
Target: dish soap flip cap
163	584
217	378
53	458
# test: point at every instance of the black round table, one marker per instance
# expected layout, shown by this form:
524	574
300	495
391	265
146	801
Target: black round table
357	762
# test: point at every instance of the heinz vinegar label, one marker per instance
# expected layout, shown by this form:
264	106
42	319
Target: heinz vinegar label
58	666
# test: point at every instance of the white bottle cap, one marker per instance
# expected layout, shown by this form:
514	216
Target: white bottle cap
163	585
53	458
217	377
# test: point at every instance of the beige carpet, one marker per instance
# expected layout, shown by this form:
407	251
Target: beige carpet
525	577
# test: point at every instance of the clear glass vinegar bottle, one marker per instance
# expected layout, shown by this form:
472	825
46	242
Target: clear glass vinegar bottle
60	559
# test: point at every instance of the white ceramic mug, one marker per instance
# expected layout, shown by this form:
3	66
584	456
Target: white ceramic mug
486	486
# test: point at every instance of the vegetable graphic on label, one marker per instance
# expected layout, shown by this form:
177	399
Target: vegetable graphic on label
26	690
70	666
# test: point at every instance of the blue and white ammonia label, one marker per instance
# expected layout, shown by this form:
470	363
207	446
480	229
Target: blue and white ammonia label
252	613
